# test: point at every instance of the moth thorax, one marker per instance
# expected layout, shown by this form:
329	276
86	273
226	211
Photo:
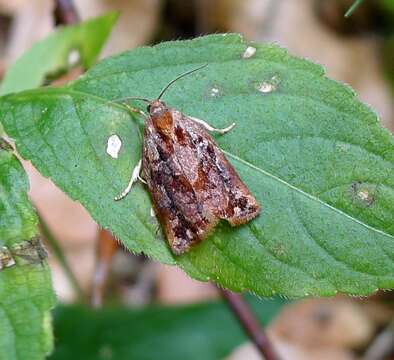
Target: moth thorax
162	120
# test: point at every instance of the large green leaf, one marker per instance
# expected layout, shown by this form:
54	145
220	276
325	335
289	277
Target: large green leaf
26	294
57	53
204	331
314	156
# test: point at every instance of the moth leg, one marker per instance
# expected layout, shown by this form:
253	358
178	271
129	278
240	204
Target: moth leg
135	110
142	180
135	175
210	128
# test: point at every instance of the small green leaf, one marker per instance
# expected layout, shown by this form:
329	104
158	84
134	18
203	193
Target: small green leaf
58	52
314	156
203	331
26	294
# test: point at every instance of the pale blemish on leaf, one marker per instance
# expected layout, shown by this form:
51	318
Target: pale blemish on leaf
363	193
106	352
215	92
249	52
365	196
343	147
280	250
269	86
114	144
74	57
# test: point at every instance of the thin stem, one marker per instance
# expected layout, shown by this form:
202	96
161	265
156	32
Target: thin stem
106	248
249	323
58	252
353	8
65	12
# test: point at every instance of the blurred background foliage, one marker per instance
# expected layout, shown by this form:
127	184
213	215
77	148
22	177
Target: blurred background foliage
358	50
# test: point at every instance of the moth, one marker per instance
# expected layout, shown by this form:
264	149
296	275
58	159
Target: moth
192	184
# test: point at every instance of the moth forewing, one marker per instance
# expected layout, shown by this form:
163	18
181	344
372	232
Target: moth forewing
192	184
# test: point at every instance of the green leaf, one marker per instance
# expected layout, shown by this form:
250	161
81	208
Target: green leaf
387	5
54	53
26	294
203	331
314	156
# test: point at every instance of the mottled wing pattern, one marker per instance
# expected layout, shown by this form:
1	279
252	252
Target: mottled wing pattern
191	182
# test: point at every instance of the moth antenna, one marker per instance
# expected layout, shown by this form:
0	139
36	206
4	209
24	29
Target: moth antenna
177	78
131	98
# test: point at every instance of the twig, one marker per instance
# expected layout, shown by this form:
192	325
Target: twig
65	12
57	251
106	249
250	324
353	8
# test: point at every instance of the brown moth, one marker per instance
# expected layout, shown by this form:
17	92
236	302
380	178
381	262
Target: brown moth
191	182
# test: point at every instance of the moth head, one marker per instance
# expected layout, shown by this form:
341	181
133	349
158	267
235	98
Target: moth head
157	107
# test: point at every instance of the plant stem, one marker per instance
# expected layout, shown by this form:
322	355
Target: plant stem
65	12
352	9
57	251
106	248
249	323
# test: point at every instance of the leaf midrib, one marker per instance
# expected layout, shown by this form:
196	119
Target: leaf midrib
69	91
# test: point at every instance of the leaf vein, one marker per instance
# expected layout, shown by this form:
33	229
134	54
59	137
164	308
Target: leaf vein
311	197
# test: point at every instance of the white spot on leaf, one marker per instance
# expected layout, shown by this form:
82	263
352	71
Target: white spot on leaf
152	212
215	92
265	87
249	52
73	57
343	147
268	86
114	145
363	195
